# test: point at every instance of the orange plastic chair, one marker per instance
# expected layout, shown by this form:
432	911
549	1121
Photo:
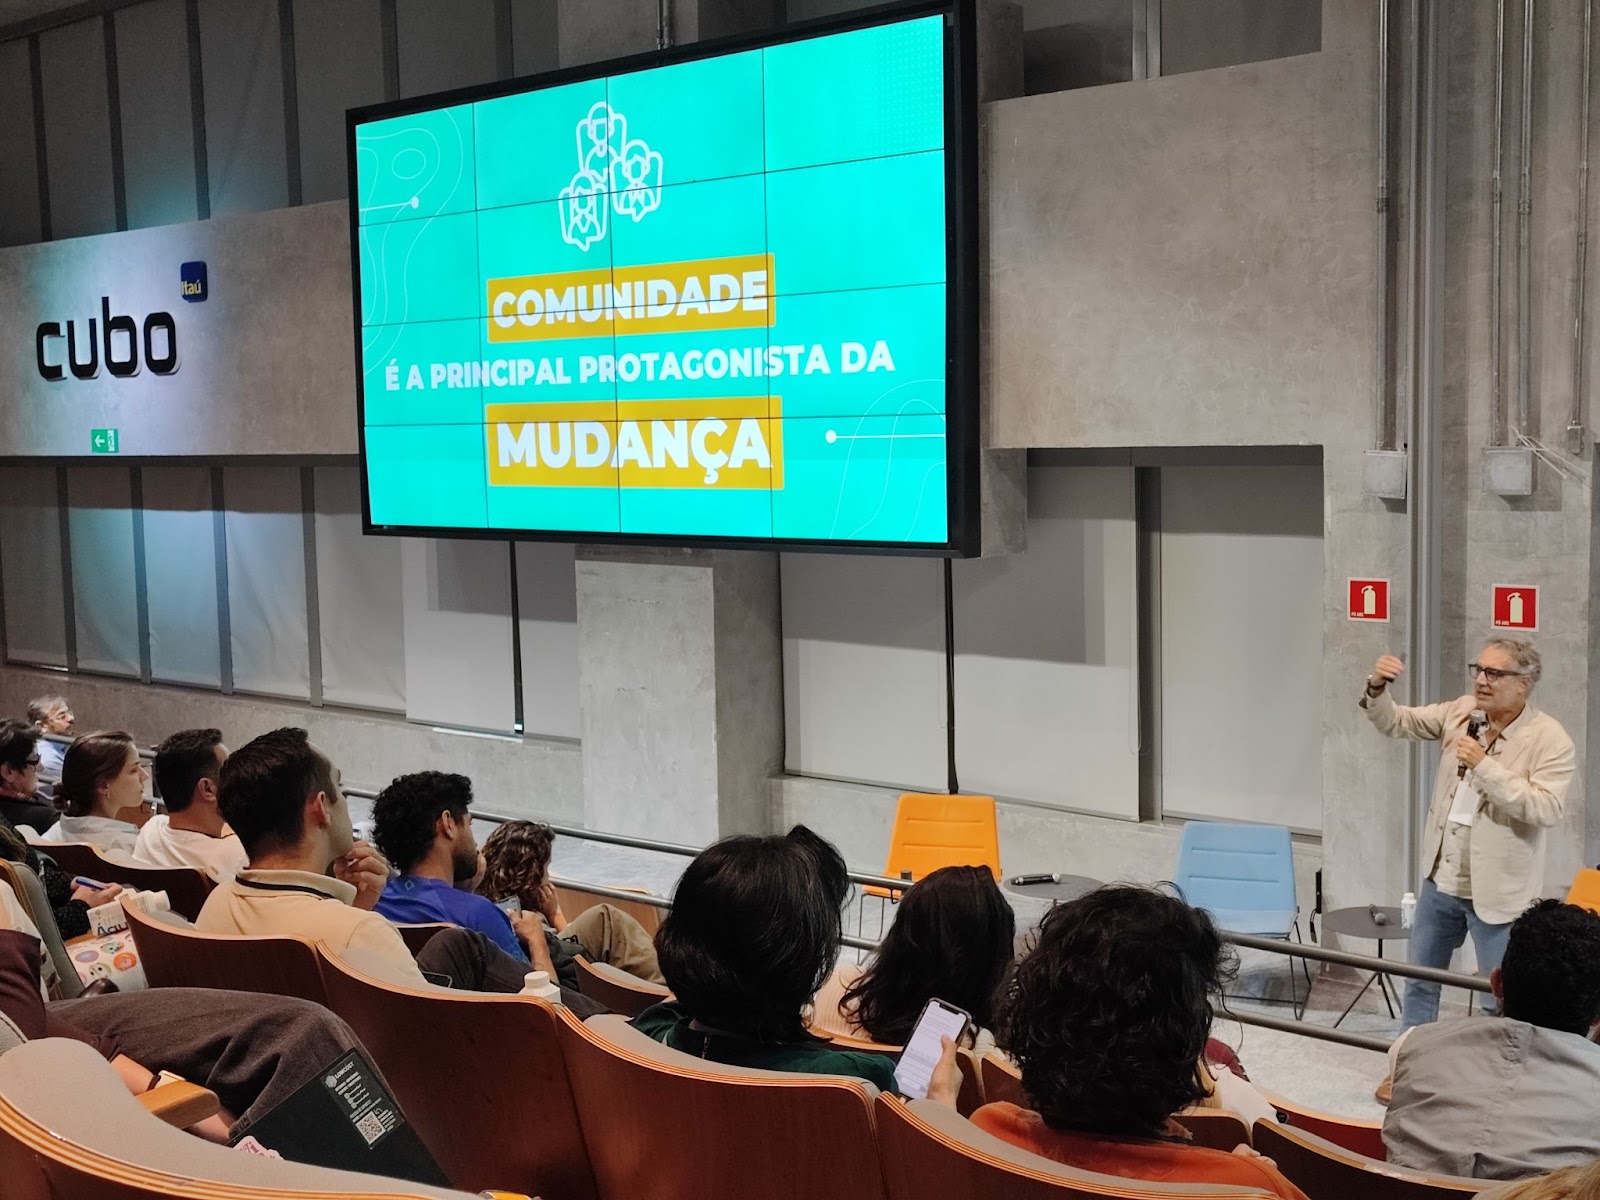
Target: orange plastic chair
932	830
1585	890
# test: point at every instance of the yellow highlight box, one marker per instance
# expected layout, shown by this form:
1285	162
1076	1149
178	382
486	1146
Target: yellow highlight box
682	297
686	444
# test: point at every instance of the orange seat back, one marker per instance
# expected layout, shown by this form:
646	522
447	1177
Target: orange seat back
661	1125
176	957
482	1079
932	830
1585	890
1363	1137
1324	1171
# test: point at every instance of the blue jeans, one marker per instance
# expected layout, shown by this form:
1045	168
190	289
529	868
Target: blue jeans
1442	925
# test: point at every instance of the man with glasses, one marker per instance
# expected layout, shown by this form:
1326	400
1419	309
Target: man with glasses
1493	798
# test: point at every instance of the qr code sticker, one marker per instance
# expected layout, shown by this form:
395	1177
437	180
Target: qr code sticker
370	1127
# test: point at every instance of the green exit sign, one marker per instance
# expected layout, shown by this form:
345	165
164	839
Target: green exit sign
104	441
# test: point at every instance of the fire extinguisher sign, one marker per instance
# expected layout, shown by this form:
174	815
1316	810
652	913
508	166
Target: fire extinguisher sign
1369	600
1516	606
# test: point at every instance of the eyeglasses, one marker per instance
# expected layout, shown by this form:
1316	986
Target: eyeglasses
32	762
1492	674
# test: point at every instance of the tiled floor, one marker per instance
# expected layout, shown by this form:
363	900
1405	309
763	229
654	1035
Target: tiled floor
1325	1075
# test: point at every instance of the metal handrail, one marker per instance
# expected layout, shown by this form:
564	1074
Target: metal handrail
1364	962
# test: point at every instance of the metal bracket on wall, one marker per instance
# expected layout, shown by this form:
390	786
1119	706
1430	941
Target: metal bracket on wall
1146	39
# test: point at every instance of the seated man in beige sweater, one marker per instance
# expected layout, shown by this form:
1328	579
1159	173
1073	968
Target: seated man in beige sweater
308	877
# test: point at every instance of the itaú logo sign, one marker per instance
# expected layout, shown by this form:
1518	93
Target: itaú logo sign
114	341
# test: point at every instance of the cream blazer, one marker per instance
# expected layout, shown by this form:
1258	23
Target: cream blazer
1523	783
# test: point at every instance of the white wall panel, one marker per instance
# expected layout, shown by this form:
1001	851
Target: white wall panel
30	566
1241	643
1047	654
458	633
77	129
181	575
547	617
105	602
361	616
157	123
267	581
243	74
864	669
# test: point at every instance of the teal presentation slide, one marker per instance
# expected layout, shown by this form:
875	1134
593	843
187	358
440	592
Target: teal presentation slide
705	299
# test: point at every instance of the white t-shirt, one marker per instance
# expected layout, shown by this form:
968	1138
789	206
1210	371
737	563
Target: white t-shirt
160	845
111	837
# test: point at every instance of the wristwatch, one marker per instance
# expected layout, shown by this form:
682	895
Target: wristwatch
1375	686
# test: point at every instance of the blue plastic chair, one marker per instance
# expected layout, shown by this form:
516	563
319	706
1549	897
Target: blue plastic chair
1243	875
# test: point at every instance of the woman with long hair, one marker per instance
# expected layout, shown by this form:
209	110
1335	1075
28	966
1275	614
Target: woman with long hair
952	939
103	793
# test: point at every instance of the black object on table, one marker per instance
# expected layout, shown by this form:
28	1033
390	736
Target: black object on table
1371	923
1051	886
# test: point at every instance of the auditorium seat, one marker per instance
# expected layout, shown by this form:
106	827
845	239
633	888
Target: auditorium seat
669	1126
616	989
575	898
480	1077
1216	1128
175	955
1001	1080
417	936
1364	1137
929	1151
970	1098
29	890
1324	1171
186	888
70	1130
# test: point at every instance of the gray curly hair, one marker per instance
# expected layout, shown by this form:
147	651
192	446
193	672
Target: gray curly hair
1522	653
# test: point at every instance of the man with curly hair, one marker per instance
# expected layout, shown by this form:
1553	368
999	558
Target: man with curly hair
1108	1018
421	824
1508	1097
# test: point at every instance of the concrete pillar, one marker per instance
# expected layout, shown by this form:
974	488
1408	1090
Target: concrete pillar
680	681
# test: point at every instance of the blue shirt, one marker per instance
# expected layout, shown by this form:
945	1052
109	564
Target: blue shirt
414	900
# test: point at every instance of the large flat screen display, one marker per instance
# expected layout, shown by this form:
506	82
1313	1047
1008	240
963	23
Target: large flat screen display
715	297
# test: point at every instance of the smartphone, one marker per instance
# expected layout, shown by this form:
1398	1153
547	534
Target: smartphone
510	905
914	1071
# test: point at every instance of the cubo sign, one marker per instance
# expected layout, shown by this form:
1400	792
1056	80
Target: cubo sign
115	340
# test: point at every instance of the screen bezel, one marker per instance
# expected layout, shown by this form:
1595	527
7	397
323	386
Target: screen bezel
961	278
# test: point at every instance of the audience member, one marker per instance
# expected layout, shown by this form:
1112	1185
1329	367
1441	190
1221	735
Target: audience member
69	902
102	793
51	714
951	938
422	826
252	1050
1108	1018
191	833
517	867
308	876
1569	1183
753	933
21	801
1506	1097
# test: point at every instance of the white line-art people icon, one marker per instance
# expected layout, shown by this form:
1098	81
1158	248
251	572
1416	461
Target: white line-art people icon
615	174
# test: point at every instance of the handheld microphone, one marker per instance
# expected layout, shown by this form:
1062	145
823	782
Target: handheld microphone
1475	727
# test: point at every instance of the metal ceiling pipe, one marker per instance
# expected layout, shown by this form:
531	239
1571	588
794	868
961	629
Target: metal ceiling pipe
1575	430
1497	391
1425	322
1524	222
1383	413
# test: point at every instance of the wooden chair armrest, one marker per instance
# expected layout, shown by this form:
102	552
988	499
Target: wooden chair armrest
181	1104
